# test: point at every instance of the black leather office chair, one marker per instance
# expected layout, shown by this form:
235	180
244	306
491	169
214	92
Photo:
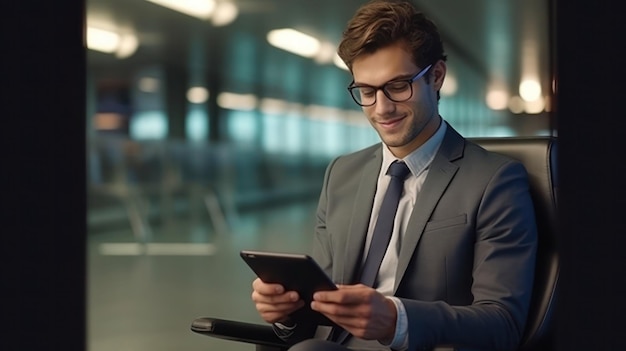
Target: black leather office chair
538	154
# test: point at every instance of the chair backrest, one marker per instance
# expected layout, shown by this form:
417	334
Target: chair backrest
538	154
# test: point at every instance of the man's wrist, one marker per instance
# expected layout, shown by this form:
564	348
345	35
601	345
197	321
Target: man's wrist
400	335
391	332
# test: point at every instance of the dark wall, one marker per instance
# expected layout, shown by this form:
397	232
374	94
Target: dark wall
590	105
42	174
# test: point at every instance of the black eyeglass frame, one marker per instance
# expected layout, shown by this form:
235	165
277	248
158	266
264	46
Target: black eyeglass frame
383	87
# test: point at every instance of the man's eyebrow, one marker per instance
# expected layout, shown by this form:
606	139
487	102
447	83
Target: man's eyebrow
398	77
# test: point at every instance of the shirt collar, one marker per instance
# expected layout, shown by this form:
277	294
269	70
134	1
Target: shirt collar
419	159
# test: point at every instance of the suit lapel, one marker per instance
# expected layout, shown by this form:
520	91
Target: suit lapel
441	172
361	212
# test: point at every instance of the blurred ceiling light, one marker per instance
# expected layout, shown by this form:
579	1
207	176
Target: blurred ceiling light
548	102
529	87
293	41
516	104
148	84
497	99
202	9
326	53
102	40
530	90
356	118
127	46
225	13
232	101
273	106
339	62
197	95
325	113
294	108
535	106
450	85
122	45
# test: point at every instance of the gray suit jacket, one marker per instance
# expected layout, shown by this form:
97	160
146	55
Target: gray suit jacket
466	264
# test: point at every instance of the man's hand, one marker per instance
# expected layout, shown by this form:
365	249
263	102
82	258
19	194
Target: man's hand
359	309
273	303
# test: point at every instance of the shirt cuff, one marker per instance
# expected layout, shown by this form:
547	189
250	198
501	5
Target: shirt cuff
401	337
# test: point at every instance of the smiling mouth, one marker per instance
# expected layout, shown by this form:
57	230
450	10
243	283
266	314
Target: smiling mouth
390	123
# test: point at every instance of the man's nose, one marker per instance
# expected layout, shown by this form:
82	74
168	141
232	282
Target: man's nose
383	103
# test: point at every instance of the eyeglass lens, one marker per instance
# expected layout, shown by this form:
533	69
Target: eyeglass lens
396	91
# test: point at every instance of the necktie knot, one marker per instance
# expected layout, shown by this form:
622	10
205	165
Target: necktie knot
398	169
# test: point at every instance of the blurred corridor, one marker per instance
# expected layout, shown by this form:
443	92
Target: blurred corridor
166	223
146	300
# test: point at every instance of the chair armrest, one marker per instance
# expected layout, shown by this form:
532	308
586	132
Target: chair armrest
259	334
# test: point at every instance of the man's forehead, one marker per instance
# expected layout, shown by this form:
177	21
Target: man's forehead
383	65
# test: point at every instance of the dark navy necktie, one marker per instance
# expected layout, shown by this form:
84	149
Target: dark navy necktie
384	224
382	233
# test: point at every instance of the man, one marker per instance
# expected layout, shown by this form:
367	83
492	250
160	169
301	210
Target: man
458	268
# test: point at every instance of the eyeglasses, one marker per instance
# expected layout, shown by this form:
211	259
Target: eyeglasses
396	90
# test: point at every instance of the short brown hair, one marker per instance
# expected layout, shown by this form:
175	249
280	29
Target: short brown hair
380	23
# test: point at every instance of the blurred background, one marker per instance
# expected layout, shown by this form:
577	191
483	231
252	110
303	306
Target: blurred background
209	127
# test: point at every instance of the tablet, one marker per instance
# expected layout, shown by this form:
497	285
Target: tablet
297	272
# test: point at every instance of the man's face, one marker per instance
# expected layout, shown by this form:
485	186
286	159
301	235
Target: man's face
402	126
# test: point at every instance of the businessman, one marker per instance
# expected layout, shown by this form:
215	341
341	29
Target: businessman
457	269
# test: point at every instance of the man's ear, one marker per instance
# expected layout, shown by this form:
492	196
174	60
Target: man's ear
438	74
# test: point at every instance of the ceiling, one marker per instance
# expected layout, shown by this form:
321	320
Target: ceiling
497	40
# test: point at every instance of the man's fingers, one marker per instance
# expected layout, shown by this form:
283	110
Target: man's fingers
272	313
346	294
279	308
289	297
267	289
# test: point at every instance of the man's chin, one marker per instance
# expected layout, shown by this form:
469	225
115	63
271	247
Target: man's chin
392	141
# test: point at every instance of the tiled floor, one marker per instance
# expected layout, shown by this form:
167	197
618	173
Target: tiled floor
146	300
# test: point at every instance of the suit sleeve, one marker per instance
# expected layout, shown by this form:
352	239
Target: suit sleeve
503	272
